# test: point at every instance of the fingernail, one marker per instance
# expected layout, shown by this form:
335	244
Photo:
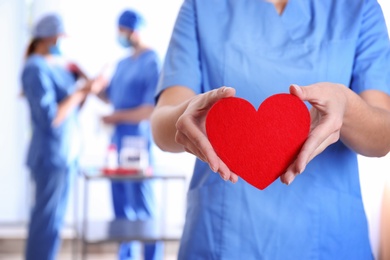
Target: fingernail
226	88
224	177
297	87
289	181
213	168
235	180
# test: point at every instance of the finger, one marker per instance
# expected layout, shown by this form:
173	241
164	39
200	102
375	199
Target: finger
233	177
189	146
289	176
222	92
296	91
328	141
222	168
224	171
187	127
307	93
293	170
195	153
316	140
213	96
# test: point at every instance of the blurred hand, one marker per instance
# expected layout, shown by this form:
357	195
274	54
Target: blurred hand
98	84
191	130
74	68
328	102
86	88
110	119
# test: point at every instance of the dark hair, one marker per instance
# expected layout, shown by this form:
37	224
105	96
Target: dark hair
32	46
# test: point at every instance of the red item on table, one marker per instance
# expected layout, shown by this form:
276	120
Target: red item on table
127	171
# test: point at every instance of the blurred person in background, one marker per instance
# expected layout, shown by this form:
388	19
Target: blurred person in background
49	84
131	92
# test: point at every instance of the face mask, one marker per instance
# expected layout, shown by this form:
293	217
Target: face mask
55	49
124	41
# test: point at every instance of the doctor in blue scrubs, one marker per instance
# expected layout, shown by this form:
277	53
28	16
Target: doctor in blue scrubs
334	54
49	86
131	92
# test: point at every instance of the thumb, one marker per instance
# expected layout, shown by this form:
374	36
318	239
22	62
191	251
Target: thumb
297	91
208	99
227	92
222	92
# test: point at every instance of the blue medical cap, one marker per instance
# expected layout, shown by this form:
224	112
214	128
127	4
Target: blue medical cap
48	26
130	20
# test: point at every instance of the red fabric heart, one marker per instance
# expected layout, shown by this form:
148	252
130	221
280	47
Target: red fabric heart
258	145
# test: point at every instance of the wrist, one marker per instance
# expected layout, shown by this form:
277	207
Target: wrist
352	104
83	92
79	96
119	117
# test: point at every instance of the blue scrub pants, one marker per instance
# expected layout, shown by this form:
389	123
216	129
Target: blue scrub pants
51	197
135	201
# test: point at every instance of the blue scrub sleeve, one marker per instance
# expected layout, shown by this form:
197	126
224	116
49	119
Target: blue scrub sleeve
182	66
39	90
150	81
372	57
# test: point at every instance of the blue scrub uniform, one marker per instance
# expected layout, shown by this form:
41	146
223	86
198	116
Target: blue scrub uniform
52	155
246	45
134	84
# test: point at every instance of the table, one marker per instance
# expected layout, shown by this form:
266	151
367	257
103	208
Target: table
123	230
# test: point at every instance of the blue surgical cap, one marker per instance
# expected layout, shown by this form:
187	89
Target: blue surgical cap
130	19
48	26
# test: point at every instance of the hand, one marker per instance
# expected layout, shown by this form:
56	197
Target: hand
74	68
328	102
191	130
98	84
110	119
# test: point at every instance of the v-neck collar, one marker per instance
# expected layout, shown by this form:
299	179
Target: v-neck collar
296	18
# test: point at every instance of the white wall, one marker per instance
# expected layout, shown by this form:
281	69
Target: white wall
13	112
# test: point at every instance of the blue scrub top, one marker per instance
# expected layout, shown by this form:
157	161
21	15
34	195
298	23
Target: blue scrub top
132	85
246	45
45	85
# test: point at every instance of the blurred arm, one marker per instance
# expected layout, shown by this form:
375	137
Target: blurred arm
132	116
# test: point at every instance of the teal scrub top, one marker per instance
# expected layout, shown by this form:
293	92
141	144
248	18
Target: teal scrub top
45	85
133	84
247	45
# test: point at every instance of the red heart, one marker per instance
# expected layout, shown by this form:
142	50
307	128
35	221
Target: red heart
258	146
